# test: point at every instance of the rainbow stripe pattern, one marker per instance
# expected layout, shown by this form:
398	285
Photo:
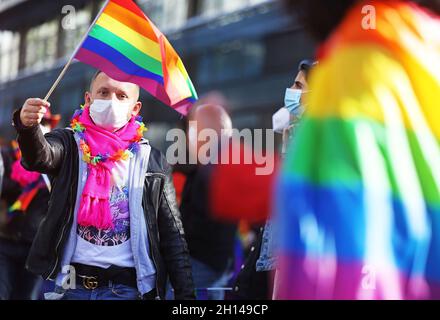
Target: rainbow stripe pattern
24	200
128	47
358	200
30	190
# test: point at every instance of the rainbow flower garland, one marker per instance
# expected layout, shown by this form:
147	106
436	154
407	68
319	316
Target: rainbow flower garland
121	154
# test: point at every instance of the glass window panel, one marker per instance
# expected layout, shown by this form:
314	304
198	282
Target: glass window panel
154	10
215	7
166	15
41	44
9	54
175	13
231	61
72	37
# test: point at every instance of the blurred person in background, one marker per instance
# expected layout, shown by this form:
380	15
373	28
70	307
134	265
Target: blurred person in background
255	281
180	171
2	171
287	119
3	205
26	195
358	199
211	241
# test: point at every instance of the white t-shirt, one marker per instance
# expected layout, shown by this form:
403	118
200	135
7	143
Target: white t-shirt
103	248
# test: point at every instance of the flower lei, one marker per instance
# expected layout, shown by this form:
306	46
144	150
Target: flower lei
121	154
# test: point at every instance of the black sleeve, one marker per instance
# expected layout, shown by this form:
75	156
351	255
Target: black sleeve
40	153
173	246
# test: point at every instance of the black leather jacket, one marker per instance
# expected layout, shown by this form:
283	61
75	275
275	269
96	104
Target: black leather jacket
56	154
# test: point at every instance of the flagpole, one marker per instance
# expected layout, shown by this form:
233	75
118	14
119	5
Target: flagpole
69	62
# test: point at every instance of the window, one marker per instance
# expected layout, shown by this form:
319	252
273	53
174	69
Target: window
166	15
231	61
175	13
9	55
215	7
8	3
73	33
42	45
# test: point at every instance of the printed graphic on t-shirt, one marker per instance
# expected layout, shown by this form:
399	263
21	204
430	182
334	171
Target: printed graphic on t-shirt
121	220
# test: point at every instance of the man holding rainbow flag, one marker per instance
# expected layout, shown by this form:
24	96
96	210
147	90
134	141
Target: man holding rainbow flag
113	229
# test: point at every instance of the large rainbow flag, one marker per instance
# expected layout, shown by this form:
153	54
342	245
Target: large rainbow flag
358	201
127	46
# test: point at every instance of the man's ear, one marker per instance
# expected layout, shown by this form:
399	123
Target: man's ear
137	108
88	98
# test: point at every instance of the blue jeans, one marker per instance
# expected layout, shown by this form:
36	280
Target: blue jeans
210	284
16	283
111	292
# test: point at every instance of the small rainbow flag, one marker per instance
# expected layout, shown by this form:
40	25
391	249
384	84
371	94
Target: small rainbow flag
28	194
358	201
31	183
127	46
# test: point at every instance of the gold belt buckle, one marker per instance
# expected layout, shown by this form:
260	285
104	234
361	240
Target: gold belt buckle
90	283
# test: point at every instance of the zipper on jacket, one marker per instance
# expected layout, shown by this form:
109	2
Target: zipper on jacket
162	176
151	246
155	266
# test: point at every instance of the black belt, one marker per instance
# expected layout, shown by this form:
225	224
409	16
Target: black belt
94	277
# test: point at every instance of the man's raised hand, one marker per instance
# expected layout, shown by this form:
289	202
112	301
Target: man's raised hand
33	111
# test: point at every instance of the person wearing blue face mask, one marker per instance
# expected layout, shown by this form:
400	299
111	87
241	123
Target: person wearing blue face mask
254	282
288	117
